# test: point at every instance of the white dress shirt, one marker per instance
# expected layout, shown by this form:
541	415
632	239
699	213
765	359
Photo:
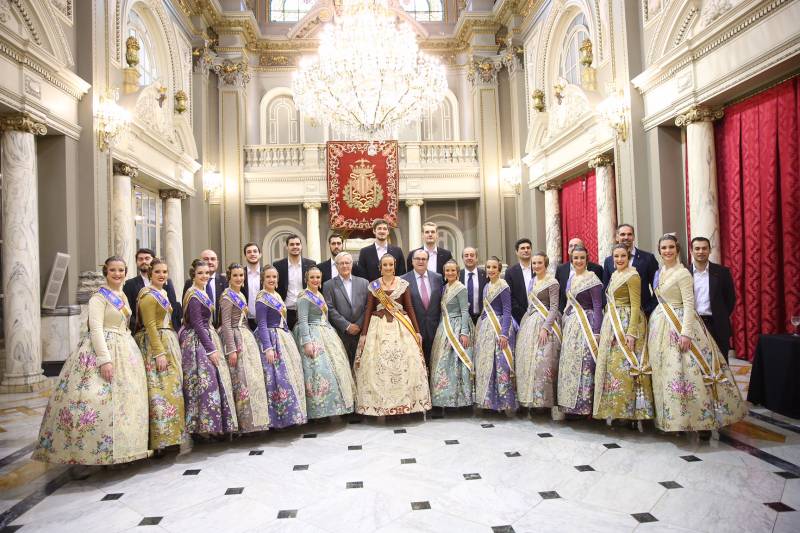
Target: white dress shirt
146	280
382	250
294	285
253	286
476	295
348	286
702	296
334	270
432	257
527	274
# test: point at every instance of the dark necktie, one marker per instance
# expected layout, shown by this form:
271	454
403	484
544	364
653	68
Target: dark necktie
471	293
209	291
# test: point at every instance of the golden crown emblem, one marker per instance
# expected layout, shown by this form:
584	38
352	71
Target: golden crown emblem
362	192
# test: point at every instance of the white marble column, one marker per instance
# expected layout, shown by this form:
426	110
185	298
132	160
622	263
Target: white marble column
124	228
414	223
606	204
312	231
21	309
702	163
173	231
552	215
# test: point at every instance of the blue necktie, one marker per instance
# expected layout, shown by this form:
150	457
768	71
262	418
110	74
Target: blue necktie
471	293
209	291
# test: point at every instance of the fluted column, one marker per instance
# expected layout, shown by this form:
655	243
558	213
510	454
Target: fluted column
312	231
124	228
702	163
414	223
606	204
173	231
21	290
552	215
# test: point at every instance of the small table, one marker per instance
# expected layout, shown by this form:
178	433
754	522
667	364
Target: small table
775	378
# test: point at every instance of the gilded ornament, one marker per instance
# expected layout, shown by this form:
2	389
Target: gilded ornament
233	73
166	194
22	122
558	91
698	114
538	100
602	160
180	101
362	192
124	169
586	53
132	51
162	95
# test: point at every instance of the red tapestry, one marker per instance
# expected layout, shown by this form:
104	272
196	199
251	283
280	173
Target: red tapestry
578	203
362	187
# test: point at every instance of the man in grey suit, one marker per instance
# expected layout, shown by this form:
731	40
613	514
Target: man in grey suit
346	297
426	296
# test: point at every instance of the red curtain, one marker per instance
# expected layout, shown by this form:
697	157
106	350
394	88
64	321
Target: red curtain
578	203
759	200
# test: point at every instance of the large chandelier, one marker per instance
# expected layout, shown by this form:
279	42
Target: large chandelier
369	76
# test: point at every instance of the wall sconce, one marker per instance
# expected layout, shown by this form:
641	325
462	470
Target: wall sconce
614	111
586	53
212	183
538	100
558	89
512	175
180	102
112	120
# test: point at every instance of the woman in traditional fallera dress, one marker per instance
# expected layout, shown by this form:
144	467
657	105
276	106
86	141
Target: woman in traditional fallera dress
207	387
693	387
622	381
390	368
494	345
243	356
581	323
97	414
330	390
280	360
452	369
539	340
162	360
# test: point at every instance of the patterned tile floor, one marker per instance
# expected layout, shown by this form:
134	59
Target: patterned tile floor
460	472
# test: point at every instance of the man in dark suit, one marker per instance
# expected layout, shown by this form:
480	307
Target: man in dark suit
519	278
329	266
644	262
565	271
252	280
346	296
292	276
369	256
474	278
437	256
714	294
217	282
426	297
132	287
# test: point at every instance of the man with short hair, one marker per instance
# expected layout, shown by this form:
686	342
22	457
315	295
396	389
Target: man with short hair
644	262
474	278
292	275
565	271
217	282
714	294
346	297
426	297
328	267
519	278
134	285
437	256
252	280
369	258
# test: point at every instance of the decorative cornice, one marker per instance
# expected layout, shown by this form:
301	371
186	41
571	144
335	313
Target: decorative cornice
22	122
698	114
312	205
166	194
65	80
417	202
602	160
124	169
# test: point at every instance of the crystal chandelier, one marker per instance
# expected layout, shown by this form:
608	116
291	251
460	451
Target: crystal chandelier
369	76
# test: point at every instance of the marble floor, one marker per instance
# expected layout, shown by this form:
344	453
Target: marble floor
459	472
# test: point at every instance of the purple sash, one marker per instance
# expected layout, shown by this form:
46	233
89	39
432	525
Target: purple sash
317	301
112	298
235	298
203	297
155	293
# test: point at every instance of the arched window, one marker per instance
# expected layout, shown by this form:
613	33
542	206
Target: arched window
277	246
448	240
289	10
283	120
577	32
148	66
424	10
437	124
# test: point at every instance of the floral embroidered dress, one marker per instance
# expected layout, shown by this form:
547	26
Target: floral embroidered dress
390	371
165	389
330	389
537	364
693	390
247	377
88	420
494	368
452	367
207	389
284	378
580	325
622	384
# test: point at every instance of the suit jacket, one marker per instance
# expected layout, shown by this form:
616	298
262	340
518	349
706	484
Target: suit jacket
428	319
645	263
371	266
519	292
343	311
562	276
282	266
131	290
327	271
722	295
482	280
220	284
443	255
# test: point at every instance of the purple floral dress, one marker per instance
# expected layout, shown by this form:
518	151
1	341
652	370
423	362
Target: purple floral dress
494	376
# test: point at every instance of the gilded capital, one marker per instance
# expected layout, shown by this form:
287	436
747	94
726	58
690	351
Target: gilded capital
124	169
312	205
166	194
417	202
549	187
236	74
22	122
602	160
698	114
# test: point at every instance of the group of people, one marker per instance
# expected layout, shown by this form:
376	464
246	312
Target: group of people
267	348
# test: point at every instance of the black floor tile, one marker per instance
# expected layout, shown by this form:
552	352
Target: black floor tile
584	468
549	495
309	435
470	477
355	485
354	447
502	529
779	506
512	454
354	422
612	445
191	472
670	484
545	435
644	517
151	520
111	497
233	491
297	468
788	475
409	461
419	506
487	426
288	513
453	441
256	452
690	458
398	431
